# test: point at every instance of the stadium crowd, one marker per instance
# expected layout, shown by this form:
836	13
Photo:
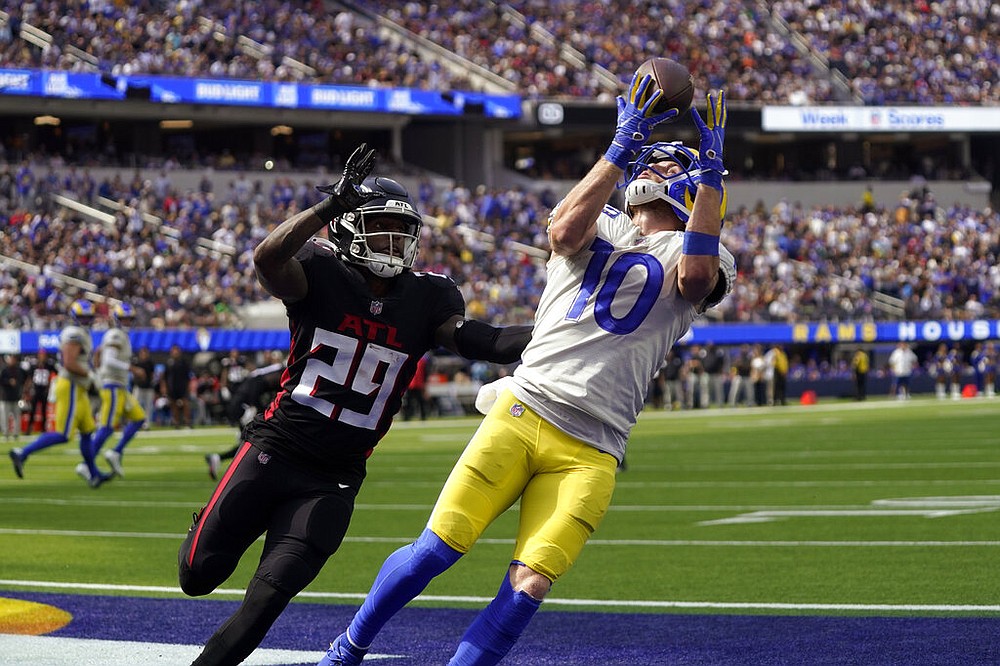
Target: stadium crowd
185	256
951	45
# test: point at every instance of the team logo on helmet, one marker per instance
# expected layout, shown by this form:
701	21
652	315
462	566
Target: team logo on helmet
122	313
678	190
82	311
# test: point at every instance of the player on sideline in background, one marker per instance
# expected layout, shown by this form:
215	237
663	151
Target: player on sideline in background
114	364
360	320
243	406
73	381
554	437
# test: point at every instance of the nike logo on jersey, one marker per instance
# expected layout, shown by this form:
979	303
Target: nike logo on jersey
343	486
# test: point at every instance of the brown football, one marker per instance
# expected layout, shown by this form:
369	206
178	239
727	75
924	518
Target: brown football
674	80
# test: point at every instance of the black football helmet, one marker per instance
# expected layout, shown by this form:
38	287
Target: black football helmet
384	253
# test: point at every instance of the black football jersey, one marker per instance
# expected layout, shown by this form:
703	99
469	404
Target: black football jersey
351	359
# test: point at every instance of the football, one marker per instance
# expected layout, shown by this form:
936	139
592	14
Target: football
674	80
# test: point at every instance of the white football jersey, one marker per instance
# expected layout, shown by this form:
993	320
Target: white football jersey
116	357
605	322
81	336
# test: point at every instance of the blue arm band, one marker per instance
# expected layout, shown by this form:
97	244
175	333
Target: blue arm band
712	178
697	243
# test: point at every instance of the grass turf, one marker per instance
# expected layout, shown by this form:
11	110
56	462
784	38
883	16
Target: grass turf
838	508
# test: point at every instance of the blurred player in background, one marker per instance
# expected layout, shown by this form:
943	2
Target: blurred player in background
119	408
73	411
360	320
43	367
555	435
252	391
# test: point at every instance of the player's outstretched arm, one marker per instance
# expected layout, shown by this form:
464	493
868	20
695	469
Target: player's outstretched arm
477	340
571	227
274	259
698	271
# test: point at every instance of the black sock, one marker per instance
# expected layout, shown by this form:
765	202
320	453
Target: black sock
245	629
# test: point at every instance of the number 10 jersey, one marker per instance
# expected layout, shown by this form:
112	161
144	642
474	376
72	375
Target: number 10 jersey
605	322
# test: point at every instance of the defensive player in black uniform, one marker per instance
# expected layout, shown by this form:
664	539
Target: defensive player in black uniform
360	320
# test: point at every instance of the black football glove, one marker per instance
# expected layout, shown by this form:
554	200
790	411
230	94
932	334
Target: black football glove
348	193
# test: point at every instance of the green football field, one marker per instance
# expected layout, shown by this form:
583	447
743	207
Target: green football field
840	508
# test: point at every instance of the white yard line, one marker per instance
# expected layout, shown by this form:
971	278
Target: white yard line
658	543
549	601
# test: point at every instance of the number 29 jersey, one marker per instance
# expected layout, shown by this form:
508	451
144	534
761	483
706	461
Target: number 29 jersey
351	359
605	322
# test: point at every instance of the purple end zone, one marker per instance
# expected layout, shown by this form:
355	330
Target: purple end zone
428	636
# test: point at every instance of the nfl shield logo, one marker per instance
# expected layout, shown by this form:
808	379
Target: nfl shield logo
376	307
263	458
516	409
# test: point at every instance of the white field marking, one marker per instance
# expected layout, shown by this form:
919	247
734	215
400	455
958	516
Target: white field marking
652	543
732	415
990	502
58	651
792	467
967	501
928	507
803	484
549	601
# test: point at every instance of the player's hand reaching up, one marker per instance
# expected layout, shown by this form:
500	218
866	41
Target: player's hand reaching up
349	193
636	120
713	135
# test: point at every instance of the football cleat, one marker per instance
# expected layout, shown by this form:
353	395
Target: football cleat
343	653
115	460
83	472
214	462
17	459
93	481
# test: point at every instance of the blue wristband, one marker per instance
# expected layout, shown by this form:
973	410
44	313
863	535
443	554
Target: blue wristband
712	178
697	243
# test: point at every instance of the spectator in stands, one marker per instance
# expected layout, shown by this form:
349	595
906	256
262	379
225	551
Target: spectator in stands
175	385
303	460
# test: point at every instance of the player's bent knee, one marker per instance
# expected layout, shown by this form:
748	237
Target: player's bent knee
525	579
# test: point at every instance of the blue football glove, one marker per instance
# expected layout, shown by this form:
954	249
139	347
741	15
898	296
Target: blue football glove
713	135
636	120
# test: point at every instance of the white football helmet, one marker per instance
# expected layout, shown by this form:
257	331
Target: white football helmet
678	190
